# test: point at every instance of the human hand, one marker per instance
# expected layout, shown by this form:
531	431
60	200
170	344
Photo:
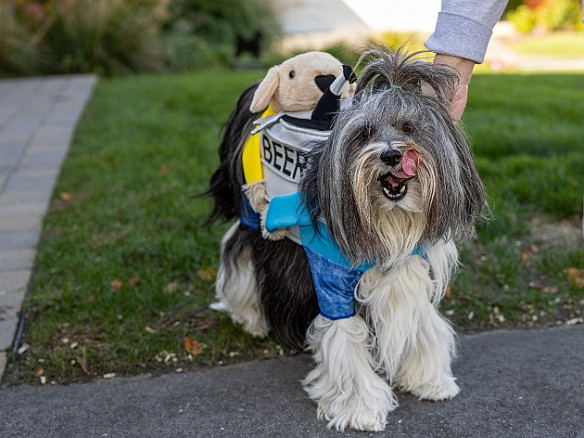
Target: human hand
464	67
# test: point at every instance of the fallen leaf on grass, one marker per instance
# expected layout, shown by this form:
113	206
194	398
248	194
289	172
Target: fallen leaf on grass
575	277
536	284
116	285
193	346
150	330
206	274
39	372
134	281
202	324
66	196
170	288
448	292
82	361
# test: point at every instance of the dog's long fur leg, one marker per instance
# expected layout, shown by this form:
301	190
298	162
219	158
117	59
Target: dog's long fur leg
425	369
236	286
414	344
348	391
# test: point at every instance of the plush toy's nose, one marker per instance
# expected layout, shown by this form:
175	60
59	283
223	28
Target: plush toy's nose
324	81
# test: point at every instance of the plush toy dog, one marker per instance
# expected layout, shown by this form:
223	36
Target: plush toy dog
383	197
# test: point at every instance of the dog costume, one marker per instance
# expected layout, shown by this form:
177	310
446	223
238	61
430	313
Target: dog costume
275	153
276	150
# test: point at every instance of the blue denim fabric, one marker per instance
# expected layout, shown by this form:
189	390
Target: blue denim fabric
335	286
334	278
248	216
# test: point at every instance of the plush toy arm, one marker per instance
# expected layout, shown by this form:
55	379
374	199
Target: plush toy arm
329	103
348	76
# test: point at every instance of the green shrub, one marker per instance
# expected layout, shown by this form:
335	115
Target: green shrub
17	54
559	14
127	36
192	52
523	19
397	39
547	15
511	6
346	53
221	22
104	36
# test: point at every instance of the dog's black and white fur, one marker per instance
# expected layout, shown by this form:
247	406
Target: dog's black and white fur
397	339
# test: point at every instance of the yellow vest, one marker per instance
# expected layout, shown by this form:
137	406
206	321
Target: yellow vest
251	156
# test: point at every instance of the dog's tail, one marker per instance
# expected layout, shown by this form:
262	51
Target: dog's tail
386	68
227	180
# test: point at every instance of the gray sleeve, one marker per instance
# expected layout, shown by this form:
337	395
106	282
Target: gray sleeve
464	28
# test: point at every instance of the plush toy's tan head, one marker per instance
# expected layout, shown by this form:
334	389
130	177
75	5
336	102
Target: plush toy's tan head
298	83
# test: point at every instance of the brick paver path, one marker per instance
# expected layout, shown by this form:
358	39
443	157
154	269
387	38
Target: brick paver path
38	117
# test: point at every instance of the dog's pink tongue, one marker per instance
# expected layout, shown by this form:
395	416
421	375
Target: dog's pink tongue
409	163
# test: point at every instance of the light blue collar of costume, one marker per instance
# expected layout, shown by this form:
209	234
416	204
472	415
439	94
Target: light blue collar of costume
289	210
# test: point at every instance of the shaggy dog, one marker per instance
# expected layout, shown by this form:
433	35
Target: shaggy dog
380	205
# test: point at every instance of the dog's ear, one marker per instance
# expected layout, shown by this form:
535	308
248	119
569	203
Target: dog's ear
265	91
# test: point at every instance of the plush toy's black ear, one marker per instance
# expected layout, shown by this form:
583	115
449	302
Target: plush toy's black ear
266	90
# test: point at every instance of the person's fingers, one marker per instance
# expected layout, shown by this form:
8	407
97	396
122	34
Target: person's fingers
458	102
464	68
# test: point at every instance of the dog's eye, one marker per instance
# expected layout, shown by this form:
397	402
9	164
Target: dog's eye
292	74
408	128
367	132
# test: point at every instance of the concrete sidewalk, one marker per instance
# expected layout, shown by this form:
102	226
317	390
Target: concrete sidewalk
38	117
514	384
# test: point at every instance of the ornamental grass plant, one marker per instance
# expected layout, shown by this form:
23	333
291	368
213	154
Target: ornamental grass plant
115	37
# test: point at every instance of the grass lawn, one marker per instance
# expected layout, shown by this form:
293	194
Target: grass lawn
560	44
125	273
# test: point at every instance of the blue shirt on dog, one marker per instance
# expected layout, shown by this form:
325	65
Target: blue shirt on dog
335	279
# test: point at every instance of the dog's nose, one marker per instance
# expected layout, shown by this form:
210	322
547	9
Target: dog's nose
324	81
391	157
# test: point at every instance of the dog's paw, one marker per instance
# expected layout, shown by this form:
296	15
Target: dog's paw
252	320
369	419
219	306
258	328
364	409
443	390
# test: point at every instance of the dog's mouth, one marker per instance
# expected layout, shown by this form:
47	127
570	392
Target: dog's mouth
394	185
393	182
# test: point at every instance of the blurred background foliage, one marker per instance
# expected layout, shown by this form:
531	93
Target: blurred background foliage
544	15
112	37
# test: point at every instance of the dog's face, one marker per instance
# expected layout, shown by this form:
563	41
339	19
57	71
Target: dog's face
395	172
